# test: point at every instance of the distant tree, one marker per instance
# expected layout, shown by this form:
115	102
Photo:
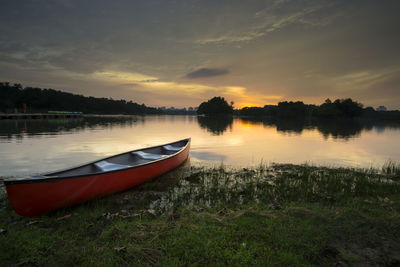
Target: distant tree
9	96
282	110
215	106
349	107
270	110
43	100
252	111
340	108
369	109
369	112
291	109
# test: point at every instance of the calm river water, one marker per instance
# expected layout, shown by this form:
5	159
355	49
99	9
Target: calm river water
34	146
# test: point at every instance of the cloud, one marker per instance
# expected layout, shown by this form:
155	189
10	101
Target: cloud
118	76
277	16
207	72
175	52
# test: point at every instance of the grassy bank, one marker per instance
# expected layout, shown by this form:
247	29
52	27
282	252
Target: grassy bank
270	215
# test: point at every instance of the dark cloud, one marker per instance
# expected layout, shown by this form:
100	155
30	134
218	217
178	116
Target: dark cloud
130	85
207	72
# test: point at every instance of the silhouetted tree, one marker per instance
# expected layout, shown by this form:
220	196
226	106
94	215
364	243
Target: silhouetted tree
252	111
215	106
291	109
346	108
43	100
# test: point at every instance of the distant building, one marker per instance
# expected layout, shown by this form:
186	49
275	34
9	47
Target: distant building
381	108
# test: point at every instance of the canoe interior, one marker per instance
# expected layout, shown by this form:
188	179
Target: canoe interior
126	159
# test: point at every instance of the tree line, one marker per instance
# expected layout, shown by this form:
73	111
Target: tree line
15	97
340	108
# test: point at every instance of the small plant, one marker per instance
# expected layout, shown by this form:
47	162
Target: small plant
269	184
392	168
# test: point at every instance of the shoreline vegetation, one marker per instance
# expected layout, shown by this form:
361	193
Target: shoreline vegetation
278	214
16	98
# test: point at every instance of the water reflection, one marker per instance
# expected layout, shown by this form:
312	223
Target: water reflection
35	146
216	125
337	129
342	129
290	126
18	129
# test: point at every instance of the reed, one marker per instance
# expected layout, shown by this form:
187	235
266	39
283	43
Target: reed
207	188
393	169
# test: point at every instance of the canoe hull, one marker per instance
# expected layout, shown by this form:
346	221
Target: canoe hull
38	198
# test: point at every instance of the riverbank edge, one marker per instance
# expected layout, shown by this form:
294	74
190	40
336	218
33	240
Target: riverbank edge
288	225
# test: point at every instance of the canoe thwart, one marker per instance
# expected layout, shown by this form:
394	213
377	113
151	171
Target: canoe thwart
108	166
172	148
145	155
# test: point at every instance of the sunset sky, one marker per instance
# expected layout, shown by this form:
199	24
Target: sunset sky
181	53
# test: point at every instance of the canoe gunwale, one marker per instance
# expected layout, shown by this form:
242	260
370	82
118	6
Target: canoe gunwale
36	179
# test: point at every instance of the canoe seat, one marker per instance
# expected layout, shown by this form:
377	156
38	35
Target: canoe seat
172	148
145	155
108	166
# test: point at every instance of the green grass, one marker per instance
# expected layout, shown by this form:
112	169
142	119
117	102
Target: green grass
392	169
287	215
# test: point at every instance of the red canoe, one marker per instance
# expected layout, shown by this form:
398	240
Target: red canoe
37	195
